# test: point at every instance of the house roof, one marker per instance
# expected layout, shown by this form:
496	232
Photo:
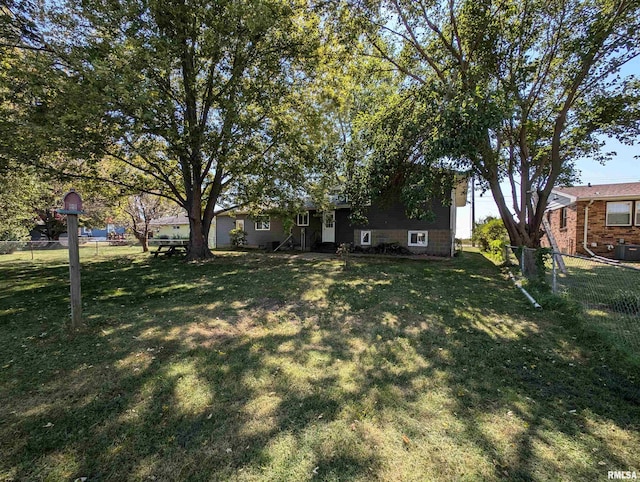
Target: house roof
170	220
557	202
625	190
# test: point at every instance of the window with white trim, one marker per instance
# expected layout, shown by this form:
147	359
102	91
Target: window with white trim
418	238
619	213
563	218
302	219
263	223
365	238
637	213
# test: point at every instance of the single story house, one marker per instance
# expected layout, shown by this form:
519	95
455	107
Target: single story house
170	227
602	220
386	223
177	227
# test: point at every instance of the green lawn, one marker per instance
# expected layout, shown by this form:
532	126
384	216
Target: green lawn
258	367
611	297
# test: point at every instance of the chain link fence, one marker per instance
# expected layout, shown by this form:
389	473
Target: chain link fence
50	250
608	291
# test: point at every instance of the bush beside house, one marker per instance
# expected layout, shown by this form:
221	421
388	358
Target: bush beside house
492	237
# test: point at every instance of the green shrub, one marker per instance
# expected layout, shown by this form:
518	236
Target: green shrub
238	237
489	230
8	247
497	248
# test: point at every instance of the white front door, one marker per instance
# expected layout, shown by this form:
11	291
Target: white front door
329	227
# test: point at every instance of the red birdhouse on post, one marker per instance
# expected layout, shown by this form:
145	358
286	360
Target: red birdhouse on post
72	203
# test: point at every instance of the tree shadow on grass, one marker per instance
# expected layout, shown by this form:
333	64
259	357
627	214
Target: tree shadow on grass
294	365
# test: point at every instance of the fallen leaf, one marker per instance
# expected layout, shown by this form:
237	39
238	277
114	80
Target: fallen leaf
406	440
48	425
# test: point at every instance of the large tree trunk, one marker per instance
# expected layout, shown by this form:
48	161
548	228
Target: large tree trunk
199	225
521	235
198	246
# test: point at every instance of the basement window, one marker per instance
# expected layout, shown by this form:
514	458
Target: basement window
418	238
619	213
365	238
263	223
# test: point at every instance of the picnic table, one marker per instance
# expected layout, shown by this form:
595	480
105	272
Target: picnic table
171	246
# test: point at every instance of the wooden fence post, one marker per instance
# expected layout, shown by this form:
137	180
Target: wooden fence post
74	271
73	207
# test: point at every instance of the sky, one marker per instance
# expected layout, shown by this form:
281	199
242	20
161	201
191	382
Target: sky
624	167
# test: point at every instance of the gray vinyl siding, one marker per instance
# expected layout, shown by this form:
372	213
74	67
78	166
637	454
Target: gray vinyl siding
264	238
388	222
254	238
393	216
224	224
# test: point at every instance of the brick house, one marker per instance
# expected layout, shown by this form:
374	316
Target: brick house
610	212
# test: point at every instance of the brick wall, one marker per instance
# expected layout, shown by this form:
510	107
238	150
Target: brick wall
570	239
438	240
565	237
601	234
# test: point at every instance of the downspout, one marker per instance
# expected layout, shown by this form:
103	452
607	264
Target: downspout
535	304
586	225
584	241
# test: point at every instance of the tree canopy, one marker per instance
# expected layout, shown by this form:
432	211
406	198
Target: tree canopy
511	90
235	102
199	102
